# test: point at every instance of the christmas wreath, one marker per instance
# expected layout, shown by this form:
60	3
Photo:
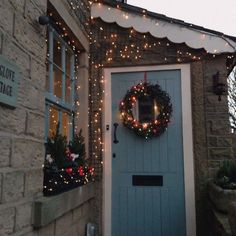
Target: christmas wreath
160	100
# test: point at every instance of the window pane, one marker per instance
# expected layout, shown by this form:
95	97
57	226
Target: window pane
57	51
68	62
68	90
57	82
65	124
53	120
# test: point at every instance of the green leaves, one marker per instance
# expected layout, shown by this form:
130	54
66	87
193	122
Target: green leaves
56	147
77	146
226	175
63	154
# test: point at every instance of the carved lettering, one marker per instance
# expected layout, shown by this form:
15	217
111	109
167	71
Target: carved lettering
7	73
5	89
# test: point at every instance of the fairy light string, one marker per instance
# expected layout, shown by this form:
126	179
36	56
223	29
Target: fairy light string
111	45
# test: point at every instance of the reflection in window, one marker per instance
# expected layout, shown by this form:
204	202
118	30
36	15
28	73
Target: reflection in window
148	109
68	62
53	120
57	82
57	51
68	90
65	124
47	77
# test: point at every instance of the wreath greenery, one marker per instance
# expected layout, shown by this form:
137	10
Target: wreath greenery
160	122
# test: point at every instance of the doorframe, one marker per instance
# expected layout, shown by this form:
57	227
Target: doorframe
189	183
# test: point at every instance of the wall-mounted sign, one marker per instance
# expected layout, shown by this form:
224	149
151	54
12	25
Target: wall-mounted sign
9	77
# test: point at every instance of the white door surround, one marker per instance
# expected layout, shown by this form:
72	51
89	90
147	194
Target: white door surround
187	143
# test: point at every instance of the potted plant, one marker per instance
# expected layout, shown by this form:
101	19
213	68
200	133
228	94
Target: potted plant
223	190
65	164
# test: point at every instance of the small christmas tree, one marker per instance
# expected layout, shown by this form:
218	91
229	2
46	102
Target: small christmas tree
65	166
77	147
56	147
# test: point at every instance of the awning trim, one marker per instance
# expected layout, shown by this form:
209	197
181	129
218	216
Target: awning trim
175	32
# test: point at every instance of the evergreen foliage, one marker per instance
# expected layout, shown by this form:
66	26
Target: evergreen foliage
226	175
77	146
56	147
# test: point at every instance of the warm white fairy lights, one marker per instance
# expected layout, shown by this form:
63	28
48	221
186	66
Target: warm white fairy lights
132	50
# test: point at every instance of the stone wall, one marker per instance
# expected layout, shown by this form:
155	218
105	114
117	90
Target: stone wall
22	128
212	142
70	218
22	41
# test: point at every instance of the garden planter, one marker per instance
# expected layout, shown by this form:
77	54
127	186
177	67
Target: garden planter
221	198
232	216
58	181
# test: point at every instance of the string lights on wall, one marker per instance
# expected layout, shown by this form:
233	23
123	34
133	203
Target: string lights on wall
112	45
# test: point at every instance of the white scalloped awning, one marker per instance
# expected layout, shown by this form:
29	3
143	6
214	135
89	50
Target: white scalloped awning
175	32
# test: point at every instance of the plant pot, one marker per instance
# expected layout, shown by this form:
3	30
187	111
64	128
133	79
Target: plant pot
221	198
232	217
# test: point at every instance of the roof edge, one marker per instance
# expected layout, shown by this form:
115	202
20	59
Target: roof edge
143	11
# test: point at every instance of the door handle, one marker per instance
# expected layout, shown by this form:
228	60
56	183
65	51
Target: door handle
115	137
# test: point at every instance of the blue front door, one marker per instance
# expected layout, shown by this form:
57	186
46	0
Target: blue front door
148	210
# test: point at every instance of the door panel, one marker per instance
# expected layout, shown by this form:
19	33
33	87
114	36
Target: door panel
148	210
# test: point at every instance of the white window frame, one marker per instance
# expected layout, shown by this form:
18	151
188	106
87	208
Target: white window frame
52	100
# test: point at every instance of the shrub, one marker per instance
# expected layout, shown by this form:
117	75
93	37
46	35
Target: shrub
226	175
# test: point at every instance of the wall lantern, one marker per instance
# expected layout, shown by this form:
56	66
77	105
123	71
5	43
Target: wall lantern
218	86
44	20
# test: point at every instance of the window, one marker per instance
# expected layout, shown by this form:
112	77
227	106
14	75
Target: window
59	85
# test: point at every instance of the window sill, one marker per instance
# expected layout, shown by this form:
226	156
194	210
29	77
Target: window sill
48	209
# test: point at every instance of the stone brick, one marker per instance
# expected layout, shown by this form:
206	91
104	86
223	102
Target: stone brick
34	9
48	210
35	124
232	217
12	121
6	16
1	41
218	127
18	5
86	209
23	216
32	233
197	83
212	141
31	97
215	164
13	186
31	38
214	65
47	230
212	99
2	231
224	142
220	153
7	217
17	55
5	146
38	73
199	125
27	154
1	186
63	223
77	214
41	4
213	105
33	182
